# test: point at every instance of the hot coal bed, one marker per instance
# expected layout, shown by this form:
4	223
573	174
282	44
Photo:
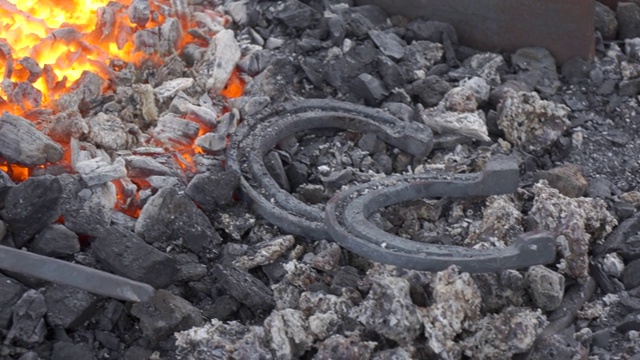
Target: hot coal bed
145	171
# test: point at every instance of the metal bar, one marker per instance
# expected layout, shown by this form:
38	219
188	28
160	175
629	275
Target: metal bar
79	276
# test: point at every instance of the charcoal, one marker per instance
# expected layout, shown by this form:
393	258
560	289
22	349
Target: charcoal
243	107
171	217
165	314
10	292
628	14
238	11
297	174
213	190
136	353
630	276
28	326
255	63
55	240
97	171
223	308
23	93
546	287
202	114
421	29
629	323
337	29
212	143
173	129
274	165
245	288
108	340
68	307
189	269
392	74
629	87
110	133
66	125
5	185
488	66
22	143
170	37
145	166
110	314
63	350
362	19
146	41
344	347
296	14
139	12
86	89
370	88
31	206
88	210
537	68
273	43
159	182
126	254
30	355
599	187
220	61
430	90
420	56
389	43
147	101
170	88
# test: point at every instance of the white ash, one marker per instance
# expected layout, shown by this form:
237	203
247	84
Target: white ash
389	311
327	259
484	65
300	275
265	253
471	124
110	133
500	336
170	88
613	264
479	87
147	101
530	123
286	295
341	347
97	171
501	222
580	221
320	303
221	59
456	308
288	333
218	340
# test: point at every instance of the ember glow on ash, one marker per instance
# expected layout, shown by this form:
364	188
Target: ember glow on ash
47	45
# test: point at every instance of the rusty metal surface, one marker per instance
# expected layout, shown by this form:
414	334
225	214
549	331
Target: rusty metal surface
564	27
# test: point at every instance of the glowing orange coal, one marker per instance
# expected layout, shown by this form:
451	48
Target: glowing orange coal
46	45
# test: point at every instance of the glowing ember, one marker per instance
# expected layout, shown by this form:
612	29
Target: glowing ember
47	45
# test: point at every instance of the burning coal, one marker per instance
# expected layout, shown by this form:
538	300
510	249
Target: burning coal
49	48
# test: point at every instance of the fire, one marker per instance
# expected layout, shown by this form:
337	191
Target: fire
46	45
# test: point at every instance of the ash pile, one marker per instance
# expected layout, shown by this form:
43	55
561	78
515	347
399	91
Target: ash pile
137	200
